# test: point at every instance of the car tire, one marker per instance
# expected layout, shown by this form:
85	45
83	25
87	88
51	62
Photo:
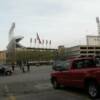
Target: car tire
8	73
55	84
92	90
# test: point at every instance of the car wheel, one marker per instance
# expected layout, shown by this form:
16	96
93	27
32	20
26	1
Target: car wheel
92	90
8	73
56	85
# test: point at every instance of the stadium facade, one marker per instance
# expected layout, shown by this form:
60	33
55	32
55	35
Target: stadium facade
18	53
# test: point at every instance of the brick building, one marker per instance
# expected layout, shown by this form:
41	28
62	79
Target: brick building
2	57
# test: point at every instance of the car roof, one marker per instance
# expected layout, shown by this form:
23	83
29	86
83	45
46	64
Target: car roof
82	58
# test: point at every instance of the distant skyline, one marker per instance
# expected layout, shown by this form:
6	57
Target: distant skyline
64	22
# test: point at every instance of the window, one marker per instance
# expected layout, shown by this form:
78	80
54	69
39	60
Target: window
90	48
90	51
98	62
83	52
85	63
97	47
83	47
65	65
61	65
89	63
78	64
97	52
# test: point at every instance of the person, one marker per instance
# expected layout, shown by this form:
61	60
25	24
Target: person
28	66
22	66
13	67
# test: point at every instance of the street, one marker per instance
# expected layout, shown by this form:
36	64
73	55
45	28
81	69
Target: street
35	85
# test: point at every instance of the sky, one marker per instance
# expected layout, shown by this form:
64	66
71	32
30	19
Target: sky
64	22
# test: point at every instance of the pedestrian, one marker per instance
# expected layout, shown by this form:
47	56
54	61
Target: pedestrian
22	65
28	66
13	67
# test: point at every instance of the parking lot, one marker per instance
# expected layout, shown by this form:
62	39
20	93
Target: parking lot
35	85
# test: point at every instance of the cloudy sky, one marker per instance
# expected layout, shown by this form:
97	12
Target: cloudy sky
64	22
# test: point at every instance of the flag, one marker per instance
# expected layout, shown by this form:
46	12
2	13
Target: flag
50	42
30	40
42	41
38	38
46	42
35	40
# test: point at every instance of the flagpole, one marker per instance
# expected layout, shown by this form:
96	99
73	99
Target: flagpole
50	44
30	45
35	43
39	41
43	44
38	45
46	43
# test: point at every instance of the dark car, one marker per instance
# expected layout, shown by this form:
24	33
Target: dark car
5	70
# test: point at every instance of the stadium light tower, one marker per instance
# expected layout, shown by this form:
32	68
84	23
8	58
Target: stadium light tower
98	25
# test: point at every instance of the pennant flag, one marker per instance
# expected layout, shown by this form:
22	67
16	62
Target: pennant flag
50	42
46	42
35	40
30	40
42	41
38	38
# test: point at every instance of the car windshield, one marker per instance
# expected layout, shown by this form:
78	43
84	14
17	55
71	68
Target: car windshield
63	64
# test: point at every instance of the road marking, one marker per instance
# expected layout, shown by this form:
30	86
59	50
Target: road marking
9	95
11	98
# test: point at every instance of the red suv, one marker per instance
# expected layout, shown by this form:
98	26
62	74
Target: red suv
78	72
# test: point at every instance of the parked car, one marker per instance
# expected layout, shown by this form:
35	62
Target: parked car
81	73
5	70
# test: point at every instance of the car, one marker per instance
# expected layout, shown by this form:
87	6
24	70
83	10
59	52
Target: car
81	73
5	69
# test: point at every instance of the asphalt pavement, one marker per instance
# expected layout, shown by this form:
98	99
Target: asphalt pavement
35	85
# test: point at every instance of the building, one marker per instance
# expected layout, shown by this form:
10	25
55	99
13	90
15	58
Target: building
92	48
2	57
17	53
83	50
35	54
93	40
